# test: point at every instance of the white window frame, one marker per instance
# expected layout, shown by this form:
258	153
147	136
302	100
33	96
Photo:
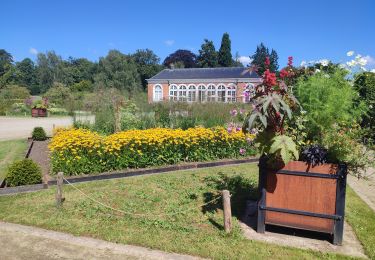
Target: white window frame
202	93
251	87
159	97
182	92
231	95
173	92
221	91
192	93
211	93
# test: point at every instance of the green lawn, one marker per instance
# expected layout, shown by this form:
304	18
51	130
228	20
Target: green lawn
187	228
10	151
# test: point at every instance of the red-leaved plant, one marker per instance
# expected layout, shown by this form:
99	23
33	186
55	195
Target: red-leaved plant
272	104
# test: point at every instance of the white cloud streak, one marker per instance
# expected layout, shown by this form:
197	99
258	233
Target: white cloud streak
33	51
169	42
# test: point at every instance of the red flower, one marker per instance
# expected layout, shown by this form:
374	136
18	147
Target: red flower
290	61
267	62
284	73
269	78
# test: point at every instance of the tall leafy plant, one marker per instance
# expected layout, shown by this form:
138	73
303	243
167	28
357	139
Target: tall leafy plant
272	105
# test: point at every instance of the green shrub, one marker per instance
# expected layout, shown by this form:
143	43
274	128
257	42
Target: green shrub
328	99
39	134
23	172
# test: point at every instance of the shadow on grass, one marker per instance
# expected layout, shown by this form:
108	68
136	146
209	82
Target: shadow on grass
240	188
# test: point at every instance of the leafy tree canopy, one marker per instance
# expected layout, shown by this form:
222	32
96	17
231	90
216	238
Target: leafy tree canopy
208	57
259	58
188	58
225	55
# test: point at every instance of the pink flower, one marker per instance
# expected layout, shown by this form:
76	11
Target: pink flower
242	151
234	112
242	111
238	129
229	129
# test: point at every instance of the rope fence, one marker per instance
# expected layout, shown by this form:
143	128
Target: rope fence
59	200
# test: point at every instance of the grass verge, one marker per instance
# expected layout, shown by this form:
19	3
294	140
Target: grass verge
175	221
362	218
10	151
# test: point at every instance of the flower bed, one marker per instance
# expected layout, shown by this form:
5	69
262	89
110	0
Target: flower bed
80	151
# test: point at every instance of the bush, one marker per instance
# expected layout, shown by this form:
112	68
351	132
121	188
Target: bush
39	134
328	99
80	151
23	172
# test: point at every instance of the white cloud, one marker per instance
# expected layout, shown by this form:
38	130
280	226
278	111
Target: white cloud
370	60
350	53
33	51
245	60
169	42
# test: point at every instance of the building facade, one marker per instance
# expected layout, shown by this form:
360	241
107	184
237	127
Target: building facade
202	85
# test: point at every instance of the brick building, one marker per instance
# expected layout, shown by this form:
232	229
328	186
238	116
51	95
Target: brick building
202	85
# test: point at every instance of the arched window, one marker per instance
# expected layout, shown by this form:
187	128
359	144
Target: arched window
173	93
221	93
211	93
182	93
202	95
231	93
158	93
192	93
249	92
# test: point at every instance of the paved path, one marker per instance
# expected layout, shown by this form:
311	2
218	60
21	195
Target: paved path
365	188
23	242
19	127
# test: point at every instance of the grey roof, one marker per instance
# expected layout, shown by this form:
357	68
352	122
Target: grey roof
206	73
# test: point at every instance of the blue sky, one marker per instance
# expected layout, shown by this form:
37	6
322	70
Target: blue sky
307	30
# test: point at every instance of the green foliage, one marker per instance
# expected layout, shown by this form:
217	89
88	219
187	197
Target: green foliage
344	146
181	57
285	147
364	83
208	57
39	134
23	172
14	92
259	58
59	94
84	85
118	71
18	109
225	52
25	75
327	99
147	64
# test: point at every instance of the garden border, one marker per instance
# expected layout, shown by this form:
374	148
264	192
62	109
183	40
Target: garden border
127	173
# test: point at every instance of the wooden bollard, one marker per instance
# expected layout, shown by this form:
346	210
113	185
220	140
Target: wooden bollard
227	211
59	189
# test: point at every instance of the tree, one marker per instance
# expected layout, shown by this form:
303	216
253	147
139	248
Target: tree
147	64
49	70
188	58
236	62
119	71
208	57
259	58
225	55
25	75
364	83
6	59
274	65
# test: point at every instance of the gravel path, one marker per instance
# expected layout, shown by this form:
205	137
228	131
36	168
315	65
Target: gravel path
24	242
19	127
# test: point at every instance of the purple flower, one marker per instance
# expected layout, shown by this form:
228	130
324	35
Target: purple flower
238	128
242	151
28	101
249	140
229	129
233	112
254	131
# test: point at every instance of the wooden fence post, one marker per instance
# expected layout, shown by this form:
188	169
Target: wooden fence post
59	189
227	211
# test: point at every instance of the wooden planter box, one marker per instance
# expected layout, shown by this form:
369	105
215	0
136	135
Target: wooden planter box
38	112
34	112
303	197
42	112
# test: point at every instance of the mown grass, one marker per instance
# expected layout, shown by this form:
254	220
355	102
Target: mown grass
362	218
10	151
175	221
